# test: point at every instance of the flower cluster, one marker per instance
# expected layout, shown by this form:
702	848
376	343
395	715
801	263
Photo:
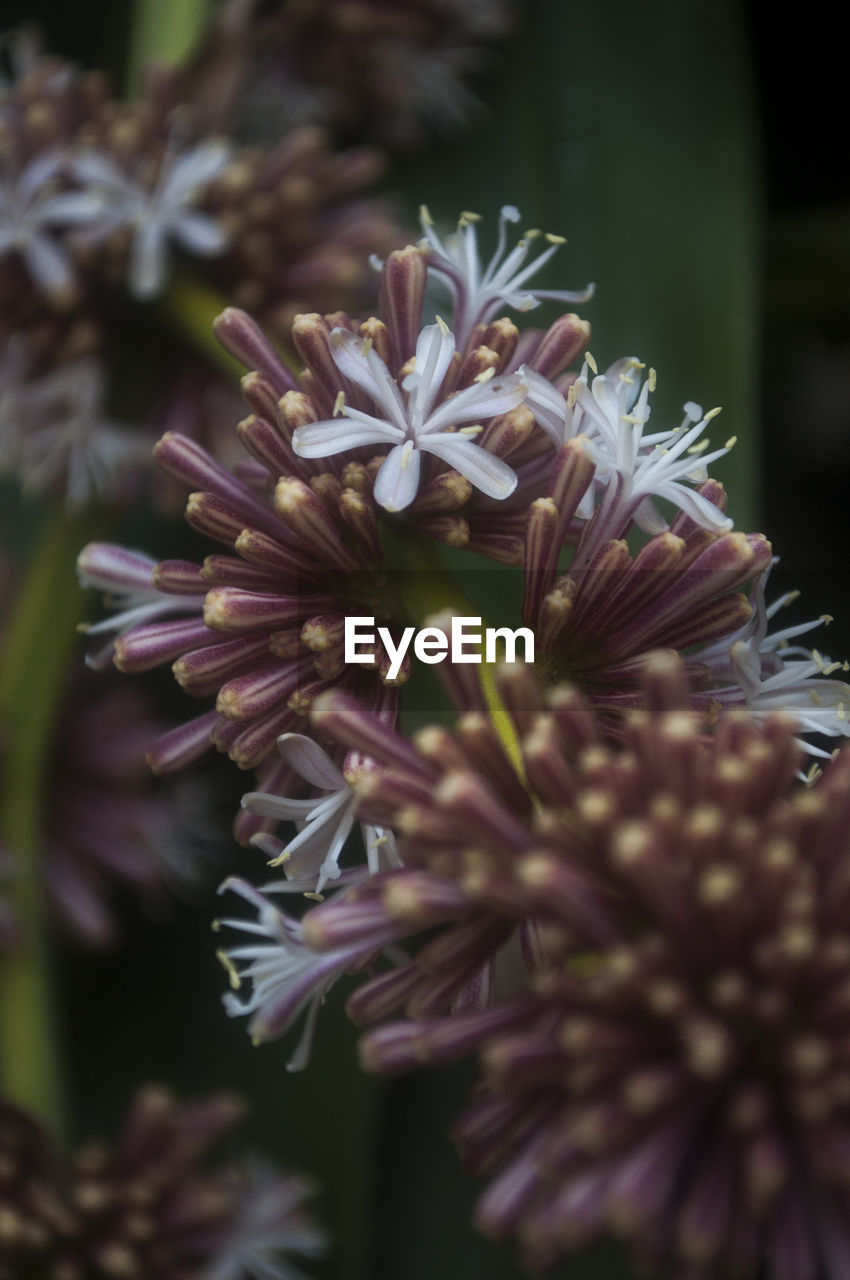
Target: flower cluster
503	867
96	197
644	942
396	71
146	1206
263	628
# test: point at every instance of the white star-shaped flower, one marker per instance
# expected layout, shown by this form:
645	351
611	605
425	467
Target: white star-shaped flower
612	411
479	292
32	205
324	821
420	422
65	441
287	977
158	214
127	580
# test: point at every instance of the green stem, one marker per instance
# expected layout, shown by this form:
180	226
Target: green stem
190	306
163	31
426	587
37	647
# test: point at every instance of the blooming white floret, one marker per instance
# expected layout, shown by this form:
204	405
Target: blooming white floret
64	441
633	466
756	663
421	422
269	1222
158	214
32	204
324	822
287	977
799	690
127	580
479	292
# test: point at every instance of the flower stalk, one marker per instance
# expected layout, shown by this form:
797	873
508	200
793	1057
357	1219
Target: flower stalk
425	589
37	648
163	31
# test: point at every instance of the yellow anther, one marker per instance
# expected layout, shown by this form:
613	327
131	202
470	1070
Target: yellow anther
652	379
485	375
314	897
280	859
731	442
229	968
444	328
555	239
339	404
367	346
531	234
700	447
425	215
589	360
471	431
712	413
467	216
571	396
825	618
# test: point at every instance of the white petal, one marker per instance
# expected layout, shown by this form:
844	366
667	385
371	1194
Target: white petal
308	759
365	368
484	470
200	234
40	171
548	406
397	482
48	264
435	347
95	167
282	808
693	504
335	435
72	208
194	168
481	400
148	259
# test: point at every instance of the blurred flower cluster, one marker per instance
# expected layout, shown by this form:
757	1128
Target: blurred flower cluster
146	1206
104	203
392	71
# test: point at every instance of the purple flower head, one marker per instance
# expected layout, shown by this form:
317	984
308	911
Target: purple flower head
147	1205
644	941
